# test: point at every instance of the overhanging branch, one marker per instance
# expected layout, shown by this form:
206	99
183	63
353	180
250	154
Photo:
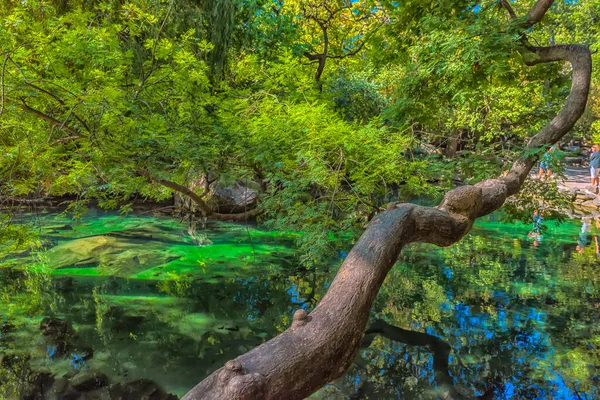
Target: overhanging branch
537	12
60	101
320	347
51	120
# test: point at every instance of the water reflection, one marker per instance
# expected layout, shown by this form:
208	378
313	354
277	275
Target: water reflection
537	227
586	238
156	299
519	319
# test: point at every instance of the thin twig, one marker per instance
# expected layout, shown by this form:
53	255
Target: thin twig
2	82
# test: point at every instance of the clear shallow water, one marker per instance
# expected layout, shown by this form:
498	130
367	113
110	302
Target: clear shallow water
156	299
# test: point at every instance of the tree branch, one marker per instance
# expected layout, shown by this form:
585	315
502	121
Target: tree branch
509	8
60	101
351	53
537	12
205	209
320	347
53	121
6	57
312	57
40	89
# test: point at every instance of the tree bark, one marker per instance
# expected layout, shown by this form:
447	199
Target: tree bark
452	145
537	12
320	347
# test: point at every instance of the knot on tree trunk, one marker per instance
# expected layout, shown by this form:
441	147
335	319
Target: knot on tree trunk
300	318
235	384
464	200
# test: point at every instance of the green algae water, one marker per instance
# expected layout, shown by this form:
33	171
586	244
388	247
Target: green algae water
155	298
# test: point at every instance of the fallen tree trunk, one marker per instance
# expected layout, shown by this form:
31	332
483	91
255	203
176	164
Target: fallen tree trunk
320	347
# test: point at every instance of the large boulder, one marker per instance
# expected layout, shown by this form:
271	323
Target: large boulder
234	199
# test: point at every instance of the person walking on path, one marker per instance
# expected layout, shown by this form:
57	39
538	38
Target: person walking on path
545	164
595	165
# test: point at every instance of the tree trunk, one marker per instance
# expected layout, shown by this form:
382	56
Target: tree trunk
320	347
452	145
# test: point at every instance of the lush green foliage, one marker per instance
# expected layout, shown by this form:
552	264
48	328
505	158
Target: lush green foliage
412	97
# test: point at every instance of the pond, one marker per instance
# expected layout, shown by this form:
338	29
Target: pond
147	297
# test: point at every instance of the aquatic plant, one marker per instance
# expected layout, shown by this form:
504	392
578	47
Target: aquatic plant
101	309
175	285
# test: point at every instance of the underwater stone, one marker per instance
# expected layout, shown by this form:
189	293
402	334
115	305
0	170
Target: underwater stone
59	336
87	381
139	389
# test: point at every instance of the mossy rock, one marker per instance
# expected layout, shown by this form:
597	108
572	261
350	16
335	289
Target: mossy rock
108	256
79	252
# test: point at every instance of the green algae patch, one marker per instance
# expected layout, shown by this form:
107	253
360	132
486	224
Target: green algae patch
195	325
152	248
92	272
217	259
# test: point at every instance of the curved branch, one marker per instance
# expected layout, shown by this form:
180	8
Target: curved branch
509	8
351	53
320	347
60	101
312	57
2	83
537	12
40	89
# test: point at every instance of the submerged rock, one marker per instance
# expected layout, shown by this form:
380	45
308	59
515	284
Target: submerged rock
5	328
121	254
79	252
58	389
59	336
39	385
88	381
86	353
140	389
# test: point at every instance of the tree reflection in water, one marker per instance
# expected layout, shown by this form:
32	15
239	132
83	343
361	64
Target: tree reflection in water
517	316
